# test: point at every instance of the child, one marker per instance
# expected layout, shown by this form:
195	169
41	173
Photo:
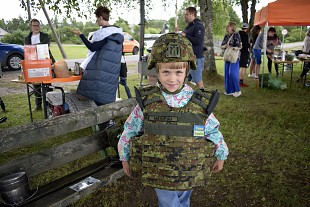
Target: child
176	127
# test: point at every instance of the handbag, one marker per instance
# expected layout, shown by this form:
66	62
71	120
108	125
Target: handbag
123	72
231	54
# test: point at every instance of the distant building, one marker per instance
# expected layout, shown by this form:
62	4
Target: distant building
2	33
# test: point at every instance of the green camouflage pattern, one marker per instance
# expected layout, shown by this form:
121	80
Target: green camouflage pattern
171	162
172	47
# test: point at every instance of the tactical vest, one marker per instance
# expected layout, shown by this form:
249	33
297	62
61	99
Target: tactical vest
167	155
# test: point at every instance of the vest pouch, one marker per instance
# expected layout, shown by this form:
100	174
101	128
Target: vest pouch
136	148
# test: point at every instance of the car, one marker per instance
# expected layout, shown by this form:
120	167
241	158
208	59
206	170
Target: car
130	45
11	55
149	40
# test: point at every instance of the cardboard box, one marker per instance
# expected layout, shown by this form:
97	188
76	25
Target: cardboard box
37	70
42	51
30	52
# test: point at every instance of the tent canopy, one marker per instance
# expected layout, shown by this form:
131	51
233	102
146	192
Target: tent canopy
284	13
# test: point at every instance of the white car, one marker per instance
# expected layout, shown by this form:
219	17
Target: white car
149	40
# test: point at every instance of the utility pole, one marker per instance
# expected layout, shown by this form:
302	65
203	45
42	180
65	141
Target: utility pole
53	30
176	16
28	10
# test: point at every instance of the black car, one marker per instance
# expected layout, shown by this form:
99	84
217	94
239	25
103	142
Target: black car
11	55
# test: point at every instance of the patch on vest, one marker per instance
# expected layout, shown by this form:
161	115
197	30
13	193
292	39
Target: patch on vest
199	131
163	118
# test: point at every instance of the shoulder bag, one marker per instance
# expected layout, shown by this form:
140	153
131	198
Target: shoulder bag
231	54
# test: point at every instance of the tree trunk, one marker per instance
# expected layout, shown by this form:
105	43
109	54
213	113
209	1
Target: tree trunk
253	11
244	9
206	18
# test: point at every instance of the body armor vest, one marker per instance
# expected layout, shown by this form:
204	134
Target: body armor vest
167	155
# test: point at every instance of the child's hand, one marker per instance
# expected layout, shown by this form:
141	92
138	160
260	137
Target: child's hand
218	166
126	168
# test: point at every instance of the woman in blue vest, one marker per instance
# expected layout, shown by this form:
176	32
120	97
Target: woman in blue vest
103	62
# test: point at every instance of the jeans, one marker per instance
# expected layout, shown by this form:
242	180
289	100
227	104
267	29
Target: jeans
197	74
168	198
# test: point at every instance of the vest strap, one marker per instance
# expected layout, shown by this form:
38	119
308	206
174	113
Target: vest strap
168	129
185	117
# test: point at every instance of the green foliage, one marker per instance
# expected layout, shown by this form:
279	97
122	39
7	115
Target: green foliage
150	30
17	37
233	16
123	24
220	18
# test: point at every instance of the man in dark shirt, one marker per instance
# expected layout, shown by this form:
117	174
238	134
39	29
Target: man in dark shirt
33	38
195	32
244	56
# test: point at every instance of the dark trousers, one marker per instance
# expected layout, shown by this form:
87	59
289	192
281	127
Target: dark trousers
305	70
38	94
276	66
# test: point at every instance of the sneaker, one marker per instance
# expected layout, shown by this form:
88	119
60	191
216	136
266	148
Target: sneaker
228	94
237	94
243	85
251	75
256	77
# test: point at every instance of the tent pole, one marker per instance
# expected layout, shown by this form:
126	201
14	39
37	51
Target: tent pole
264	52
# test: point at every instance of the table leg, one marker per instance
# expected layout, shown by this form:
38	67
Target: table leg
44	90
292	73
29	102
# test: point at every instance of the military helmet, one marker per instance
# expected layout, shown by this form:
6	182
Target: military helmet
172	47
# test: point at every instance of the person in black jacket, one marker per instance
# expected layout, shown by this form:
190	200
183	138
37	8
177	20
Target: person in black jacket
37	37
244	52
195	32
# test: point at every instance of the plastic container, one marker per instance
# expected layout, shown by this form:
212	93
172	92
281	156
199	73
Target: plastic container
14	188
37	70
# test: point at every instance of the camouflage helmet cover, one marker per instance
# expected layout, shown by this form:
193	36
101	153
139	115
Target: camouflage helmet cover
172	47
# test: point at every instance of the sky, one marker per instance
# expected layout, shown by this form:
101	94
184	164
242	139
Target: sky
11	9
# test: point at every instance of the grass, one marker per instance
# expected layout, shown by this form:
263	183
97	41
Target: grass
72	51
267	132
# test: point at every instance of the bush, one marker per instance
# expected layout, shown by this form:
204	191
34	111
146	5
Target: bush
16	37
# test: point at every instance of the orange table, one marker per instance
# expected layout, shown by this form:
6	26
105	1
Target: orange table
45	86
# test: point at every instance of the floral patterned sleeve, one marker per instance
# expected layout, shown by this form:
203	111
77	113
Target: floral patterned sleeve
132	127
213	134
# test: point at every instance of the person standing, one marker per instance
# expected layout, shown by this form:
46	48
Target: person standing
231	70
103	62
37	37
272	42
171	141
244	52
253	36
257	51
195	32
305	49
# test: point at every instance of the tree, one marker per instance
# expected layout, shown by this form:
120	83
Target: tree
17	37
206	17
123	24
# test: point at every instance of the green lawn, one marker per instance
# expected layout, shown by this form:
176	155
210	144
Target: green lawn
267	132
72	51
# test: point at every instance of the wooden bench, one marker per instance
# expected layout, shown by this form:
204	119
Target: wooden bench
17	141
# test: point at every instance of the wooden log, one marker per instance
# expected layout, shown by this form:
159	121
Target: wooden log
20	136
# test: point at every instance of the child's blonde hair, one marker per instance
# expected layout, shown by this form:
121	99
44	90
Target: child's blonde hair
172	65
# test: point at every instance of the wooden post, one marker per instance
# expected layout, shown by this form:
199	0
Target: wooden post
53	30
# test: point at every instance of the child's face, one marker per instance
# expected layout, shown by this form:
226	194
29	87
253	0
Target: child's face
171	79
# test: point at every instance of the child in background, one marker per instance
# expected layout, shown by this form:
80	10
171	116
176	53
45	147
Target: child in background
179	135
